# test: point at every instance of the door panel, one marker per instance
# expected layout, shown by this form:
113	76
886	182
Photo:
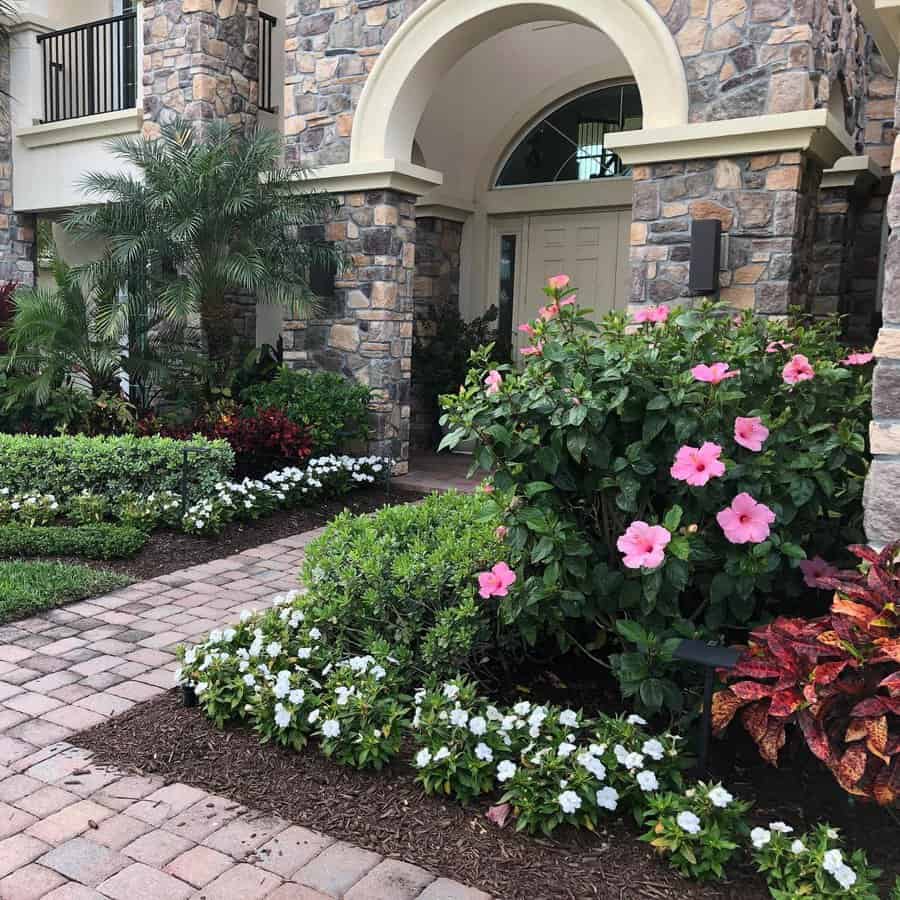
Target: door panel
583	245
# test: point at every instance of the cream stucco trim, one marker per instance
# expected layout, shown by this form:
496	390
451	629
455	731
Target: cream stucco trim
105	125
858	172
372	176
442	211
441	32
600	193
815	131
882	21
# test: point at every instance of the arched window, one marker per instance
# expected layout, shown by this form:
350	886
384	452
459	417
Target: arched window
569	143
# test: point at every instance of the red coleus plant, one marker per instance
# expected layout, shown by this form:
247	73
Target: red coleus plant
837	677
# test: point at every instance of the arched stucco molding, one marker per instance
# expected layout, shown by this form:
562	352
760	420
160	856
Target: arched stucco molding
441	32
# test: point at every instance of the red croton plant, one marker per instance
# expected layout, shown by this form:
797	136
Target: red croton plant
837	677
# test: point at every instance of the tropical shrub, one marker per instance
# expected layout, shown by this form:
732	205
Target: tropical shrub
333	411
87	508
811	865
406	574
837	677
28	509
672	470
698	831
87	541
109	466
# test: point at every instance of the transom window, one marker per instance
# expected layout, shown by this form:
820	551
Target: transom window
569	143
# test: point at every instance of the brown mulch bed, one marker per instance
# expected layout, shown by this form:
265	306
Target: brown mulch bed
168	551
387	812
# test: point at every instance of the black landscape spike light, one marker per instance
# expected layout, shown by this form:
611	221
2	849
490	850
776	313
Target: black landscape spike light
711	657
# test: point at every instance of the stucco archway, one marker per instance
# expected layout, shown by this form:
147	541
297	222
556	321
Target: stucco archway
441	32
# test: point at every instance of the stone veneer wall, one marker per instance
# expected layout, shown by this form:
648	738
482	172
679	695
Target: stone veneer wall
436	286
200	61
366	331
741	57
17	231
883	484
200	64
766	203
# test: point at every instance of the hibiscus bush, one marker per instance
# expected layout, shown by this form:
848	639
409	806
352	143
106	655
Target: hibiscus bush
837	677
673	470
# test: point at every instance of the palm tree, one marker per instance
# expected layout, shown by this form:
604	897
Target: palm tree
204	218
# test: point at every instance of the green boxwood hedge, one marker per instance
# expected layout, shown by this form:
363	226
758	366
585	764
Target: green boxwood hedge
87	541
70	464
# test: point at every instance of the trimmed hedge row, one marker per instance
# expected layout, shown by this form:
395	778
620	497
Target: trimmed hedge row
88	541
67	465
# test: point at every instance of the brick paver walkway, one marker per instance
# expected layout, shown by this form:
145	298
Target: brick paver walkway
72	830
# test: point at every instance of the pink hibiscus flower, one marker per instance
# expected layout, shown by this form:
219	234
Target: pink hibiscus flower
858	359
500	532
745	521
814	569
713	374
653	314
536	350
569	301
496	582
548	312
750	432
527	329
493	381
499	814
697	465
643	545
775	346
797	370
559	282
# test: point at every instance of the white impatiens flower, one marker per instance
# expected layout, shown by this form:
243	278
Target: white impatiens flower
423	758
442	753
249	680
780	827
608	798
297	696
478	725
844	876
759	837
654	749
635	720
688	821
483	752
565	750
620	753
331	728
282	716
592	764
315	634
459	717
719	797
832	861
798	847
569	802
304	652
451	691
647	781
568	718
313	717
506	770
522	708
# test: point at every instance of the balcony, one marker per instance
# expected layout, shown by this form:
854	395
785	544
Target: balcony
89	69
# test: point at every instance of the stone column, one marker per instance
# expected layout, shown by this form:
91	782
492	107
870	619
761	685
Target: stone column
848	237
882	494
365	331
435	288
200	61
17	231
766	204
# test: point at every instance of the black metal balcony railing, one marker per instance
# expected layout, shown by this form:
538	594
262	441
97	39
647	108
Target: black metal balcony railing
267	25
90	69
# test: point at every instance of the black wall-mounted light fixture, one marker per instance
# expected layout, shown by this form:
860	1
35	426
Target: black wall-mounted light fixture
706	255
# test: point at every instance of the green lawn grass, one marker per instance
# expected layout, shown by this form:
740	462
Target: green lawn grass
30	587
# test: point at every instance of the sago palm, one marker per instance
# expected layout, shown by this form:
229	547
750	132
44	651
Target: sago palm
202	218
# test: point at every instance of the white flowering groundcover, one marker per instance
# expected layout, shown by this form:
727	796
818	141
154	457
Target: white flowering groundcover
230	500
286	672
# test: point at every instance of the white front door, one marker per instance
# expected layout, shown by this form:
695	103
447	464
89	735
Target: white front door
591	247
